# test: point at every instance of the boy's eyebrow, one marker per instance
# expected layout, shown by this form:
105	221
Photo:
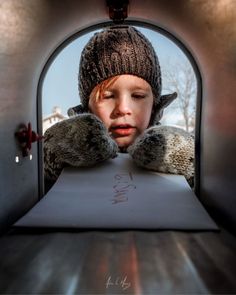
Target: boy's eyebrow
140	88
133	88
137	88
108	89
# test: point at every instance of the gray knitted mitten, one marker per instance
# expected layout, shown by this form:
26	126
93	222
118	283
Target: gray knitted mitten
165	149
79	141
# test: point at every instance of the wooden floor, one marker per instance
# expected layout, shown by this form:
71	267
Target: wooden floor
117	262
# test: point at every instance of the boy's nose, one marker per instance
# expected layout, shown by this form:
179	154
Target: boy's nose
123	107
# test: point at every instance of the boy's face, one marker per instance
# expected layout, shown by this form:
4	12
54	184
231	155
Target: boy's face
125	108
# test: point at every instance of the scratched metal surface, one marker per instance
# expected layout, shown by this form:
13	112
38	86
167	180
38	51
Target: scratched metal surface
32	30
117	262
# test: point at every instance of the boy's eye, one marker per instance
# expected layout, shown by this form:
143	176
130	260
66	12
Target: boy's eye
108	95
138	95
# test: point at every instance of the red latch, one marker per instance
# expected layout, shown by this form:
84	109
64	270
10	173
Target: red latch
25	137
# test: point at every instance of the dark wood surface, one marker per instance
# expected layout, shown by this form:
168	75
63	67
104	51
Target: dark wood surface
117	262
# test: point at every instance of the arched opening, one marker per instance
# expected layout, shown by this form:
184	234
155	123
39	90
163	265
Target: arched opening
58	90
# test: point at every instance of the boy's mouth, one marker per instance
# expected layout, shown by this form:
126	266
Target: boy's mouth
122	130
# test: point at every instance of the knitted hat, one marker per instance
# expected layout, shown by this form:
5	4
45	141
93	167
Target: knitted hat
115	51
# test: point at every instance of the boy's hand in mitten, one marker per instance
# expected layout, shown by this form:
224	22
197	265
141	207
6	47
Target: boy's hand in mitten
165	149
79	141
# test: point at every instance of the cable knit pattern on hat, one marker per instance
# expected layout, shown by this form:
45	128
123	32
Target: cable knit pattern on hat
116	51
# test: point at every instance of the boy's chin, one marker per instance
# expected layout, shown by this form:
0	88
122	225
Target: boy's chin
124	143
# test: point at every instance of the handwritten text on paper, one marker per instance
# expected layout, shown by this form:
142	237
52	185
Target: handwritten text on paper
122	186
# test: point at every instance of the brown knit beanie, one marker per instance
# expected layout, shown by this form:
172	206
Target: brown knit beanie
115	51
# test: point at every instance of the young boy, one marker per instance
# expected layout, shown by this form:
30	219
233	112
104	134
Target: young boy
121	106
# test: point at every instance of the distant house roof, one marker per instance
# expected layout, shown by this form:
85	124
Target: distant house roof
54	115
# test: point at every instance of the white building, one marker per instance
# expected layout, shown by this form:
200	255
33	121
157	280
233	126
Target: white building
53	118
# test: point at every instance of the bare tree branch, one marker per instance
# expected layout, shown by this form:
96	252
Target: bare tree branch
181	78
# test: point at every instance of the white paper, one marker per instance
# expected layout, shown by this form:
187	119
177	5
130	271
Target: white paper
118	194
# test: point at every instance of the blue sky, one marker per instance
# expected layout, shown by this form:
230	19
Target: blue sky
60	86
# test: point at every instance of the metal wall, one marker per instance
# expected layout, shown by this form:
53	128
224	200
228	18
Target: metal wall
31	31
